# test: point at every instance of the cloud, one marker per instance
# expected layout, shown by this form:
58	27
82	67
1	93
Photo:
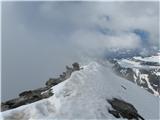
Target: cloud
97	42
40	38
117	17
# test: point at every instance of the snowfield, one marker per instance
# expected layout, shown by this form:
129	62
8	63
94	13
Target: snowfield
126	63
155	58
135	62
83	96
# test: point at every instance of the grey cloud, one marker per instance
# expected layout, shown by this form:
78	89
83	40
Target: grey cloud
40	38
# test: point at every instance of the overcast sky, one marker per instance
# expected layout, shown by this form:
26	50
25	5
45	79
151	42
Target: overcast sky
40	38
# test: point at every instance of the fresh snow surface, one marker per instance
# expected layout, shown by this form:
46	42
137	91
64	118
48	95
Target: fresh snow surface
155	58
83	96
131	63
128	63
157	73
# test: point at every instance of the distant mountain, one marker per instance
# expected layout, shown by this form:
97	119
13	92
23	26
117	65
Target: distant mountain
143	71
118	53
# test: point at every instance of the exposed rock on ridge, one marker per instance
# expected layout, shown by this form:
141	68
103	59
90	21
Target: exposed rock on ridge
31	96
123	109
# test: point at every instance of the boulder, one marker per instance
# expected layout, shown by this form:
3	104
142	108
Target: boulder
76	66
124	109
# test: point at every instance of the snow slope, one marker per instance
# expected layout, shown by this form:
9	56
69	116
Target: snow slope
154	58
83	96
144	71
128	63
137	60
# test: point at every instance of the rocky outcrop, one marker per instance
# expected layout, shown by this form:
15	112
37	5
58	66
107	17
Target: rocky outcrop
27	97
123	109
31	96
145	78
65	75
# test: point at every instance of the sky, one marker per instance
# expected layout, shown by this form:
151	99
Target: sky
40	38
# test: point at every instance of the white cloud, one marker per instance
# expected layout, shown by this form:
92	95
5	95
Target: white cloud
94	42
124	17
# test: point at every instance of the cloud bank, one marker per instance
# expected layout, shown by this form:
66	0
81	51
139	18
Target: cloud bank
97	26
40	38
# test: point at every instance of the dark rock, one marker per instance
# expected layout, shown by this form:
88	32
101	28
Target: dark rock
123	87
62	77
4	107
150	63
25	97
124	109
52	82
76	66
17	104
47	93
26	93
42	89
114	113
10	102
68	68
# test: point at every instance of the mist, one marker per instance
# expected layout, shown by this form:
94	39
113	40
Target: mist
40	38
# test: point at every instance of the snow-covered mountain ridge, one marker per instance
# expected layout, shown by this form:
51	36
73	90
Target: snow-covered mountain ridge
144	71
30	96
84	96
